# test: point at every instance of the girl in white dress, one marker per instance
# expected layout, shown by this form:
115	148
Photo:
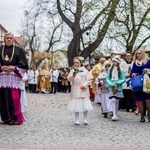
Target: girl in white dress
80	101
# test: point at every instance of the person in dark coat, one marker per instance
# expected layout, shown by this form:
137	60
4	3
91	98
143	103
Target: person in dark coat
141	64
13	65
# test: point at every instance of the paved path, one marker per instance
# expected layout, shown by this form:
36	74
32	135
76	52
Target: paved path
49	126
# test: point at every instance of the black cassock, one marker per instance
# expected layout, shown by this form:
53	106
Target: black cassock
10	106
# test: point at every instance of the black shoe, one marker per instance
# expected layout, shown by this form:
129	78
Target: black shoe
92	99
148	119
133	109
105	115
142	119
5	122
99	104
11	123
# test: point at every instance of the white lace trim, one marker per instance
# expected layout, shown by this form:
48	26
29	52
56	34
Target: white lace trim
21	71
10	80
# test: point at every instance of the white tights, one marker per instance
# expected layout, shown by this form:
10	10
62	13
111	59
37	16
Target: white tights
114	106
84	115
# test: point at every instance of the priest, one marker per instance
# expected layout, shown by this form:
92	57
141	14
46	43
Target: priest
13	65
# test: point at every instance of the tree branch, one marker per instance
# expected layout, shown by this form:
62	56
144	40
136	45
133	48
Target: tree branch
64	18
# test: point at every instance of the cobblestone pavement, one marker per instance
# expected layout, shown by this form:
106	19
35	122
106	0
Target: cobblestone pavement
49	126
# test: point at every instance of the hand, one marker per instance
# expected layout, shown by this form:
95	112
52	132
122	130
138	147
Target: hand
74	74
134	74
127	76
5	68
146	70
113	85
11	68
116	83
83	87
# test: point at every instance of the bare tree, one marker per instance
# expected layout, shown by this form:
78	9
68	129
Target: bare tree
74	23
42	27
83	26
132	24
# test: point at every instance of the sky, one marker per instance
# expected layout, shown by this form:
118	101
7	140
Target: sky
11	12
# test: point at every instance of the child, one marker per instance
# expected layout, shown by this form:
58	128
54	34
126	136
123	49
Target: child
23	98
80	101
98	92
115	78
105	101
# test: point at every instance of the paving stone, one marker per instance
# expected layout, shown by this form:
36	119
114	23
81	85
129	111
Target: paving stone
49	125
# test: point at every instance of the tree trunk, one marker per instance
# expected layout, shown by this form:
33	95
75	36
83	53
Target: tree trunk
74	49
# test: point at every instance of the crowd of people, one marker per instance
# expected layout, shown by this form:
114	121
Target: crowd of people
44	80
104	83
